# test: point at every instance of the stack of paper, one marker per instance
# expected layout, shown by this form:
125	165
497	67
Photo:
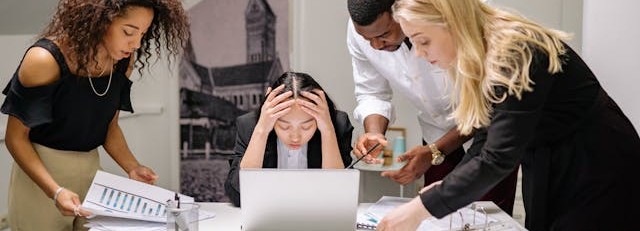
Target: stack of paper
102	223
466	218
119	203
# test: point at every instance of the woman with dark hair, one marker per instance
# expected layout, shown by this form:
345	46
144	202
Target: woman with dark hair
64	99
296	127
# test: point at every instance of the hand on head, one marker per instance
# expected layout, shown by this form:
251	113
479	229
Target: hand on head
68	203
366	142
318	108
274	107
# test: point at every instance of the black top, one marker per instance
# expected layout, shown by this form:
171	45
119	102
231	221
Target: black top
578	152
245	125
67	114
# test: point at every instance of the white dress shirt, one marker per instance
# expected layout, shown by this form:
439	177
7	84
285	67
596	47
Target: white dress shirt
292	159
376	73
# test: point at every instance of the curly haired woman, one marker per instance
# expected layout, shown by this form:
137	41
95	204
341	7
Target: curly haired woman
64	99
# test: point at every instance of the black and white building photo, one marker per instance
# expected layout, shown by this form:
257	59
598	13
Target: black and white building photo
218	84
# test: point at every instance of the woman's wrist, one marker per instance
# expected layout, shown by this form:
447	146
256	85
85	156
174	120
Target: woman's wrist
131	166
328	129
261	129
56	193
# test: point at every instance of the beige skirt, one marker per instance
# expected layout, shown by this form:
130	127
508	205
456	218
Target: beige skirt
30	209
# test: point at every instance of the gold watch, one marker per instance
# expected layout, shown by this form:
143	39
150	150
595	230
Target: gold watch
436	156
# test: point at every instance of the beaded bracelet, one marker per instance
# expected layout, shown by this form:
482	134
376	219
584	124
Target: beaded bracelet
55	196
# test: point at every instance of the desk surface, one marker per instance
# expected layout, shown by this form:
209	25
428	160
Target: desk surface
228	217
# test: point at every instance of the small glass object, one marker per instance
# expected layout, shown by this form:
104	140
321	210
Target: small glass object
183	218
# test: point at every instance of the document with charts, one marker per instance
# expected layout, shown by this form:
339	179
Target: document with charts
116	196
470	217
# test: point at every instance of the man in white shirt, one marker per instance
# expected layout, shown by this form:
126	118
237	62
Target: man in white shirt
383	62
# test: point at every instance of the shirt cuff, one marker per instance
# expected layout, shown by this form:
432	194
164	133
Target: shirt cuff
374	107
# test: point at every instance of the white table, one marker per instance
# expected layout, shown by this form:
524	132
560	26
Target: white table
228	217
373	186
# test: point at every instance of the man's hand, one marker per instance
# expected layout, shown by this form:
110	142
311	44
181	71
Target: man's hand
367	141
419	162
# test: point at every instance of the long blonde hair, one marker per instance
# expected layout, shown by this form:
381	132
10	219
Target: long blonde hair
494	49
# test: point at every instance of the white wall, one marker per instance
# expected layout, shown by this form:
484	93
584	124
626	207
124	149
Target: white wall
612	50
563	15
12	49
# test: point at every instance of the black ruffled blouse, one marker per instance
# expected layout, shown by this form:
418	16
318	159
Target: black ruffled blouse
67	114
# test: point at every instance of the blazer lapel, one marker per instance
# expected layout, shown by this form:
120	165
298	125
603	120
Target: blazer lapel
271	152
314	151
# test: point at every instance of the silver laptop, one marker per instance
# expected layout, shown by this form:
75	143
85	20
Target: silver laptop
305	199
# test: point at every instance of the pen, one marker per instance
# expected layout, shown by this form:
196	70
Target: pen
177	198
368	152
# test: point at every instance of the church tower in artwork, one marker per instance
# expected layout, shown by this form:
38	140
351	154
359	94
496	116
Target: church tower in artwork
261	32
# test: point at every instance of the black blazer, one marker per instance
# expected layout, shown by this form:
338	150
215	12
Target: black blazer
577	149
245	125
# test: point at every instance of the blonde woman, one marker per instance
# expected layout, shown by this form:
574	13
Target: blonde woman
531	99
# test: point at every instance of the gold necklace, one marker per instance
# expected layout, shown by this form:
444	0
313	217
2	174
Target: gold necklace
108	84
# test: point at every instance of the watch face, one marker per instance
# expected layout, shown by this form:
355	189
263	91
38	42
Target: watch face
437	159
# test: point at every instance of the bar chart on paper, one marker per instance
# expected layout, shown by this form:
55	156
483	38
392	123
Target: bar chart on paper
111	195
122	202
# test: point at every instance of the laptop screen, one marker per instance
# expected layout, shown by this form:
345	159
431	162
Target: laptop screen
299	199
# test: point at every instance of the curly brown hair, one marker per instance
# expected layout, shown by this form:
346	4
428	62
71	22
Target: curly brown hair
81	24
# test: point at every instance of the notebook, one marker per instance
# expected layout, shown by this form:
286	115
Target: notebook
301	199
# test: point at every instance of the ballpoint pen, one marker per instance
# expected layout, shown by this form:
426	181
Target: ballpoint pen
177	198
368	152
180	221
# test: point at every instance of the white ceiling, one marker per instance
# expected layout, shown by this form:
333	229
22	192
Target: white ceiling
25	16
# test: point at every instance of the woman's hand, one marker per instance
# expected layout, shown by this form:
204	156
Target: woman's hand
407	216
143	174
273	108
318	109
68	203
